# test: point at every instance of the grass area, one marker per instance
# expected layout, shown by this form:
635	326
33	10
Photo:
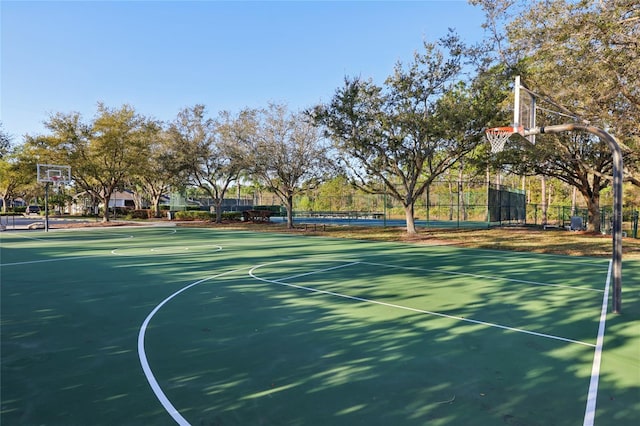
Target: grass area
511	239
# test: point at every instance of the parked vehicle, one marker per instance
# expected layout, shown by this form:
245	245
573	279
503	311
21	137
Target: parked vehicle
32	210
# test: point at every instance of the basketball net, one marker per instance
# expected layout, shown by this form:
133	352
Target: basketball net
498	136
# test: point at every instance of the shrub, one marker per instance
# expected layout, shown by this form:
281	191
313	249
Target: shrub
231	215
140	214
193	215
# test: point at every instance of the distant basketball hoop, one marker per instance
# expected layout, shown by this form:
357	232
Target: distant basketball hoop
498	136
52	174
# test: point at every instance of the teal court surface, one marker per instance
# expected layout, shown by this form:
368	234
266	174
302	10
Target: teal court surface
166	325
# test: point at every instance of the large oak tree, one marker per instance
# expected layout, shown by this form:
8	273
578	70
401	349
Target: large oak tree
396	139
287	154
103	153
207	150
583	58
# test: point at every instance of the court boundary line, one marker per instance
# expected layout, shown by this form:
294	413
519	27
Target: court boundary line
466	274
396	306
592	396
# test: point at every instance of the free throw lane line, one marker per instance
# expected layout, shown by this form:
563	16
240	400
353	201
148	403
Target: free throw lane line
406	308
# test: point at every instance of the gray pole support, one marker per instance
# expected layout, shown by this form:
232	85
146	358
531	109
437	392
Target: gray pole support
616	230
46	206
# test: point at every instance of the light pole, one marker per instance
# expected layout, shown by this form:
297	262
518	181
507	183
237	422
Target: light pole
616	230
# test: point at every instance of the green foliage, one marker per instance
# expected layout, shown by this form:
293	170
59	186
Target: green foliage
16	209
140	214
584	57
393	139
287	154
101	153
208	152
5	142
194	215
234	216
398	138
158	172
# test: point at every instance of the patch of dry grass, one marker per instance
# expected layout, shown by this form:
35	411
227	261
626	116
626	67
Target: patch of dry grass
513	239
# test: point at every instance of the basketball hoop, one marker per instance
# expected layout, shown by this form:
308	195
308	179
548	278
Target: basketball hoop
498	136
57	175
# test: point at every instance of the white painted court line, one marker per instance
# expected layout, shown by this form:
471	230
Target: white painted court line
166	250
28	237
112	236
590	410
518	256
488	277
59	259
114	251
319	271
142	355
406	308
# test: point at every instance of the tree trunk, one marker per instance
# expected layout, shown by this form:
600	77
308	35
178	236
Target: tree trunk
289	207
137	200
411	224
218	203
105	213
593	205
155	205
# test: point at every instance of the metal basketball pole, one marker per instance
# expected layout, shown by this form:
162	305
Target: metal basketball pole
616	230
46	206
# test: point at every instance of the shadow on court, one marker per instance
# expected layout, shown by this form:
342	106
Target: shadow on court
359	344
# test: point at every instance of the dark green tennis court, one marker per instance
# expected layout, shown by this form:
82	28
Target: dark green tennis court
163	325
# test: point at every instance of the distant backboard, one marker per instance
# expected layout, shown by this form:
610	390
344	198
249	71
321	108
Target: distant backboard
52	173
524	108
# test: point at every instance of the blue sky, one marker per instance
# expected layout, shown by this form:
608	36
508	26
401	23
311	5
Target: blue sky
162	56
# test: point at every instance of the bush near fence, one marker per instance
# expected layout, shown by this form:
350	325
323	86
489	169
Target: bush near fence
201	215
140	214
235	216
193	215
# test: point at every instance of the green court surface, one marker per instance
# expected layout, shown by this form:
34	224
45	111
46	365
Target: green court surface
165	325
